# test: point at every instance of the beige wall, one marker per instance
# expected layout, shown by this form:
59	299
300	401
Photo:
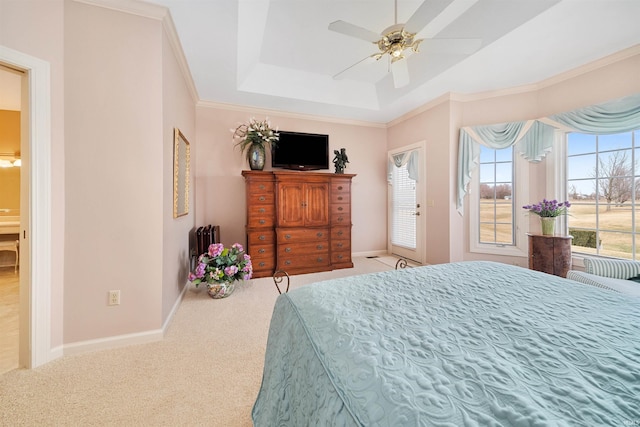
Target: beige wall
220	193
115	175
178	109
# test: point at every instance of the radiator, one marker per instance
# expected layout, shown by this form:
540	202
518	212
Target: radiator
205	236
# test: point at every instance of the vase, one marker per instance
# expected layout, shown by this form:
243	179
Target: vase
256	156
548	225
220	290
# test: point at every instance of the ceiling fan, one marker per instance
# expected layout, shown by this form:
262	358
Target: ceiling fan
399	41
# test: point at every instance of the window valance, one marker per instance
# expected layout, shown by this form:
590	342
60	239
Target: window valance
409	158
533	139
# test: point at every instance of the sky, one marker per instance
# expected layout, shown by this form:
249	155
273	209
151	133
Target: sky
581	162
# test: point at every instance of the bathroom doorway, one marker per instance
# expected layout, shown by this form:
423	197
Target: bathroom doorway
11	82
36	321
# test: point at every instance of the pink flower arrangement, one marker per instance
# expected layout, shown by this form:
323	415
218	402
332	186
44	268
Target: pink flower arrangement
220	264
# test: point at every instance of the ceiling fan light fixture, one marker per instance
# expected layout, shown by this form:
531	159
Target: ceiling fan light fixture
399	40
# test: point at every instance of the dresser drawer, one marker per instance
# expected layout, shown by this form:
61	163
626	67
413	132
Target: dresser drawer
262	251
341	233
340	219
260	237
309	261
295	249
302	235
255	187
261	216
340	197
261	199
340	186
341	208
340	257
263	264
340	245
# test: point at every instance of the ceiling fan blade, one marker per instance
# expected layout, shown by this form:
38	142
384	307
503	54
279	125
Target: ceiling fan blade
368	60
425	13
450	46
400	72
348	29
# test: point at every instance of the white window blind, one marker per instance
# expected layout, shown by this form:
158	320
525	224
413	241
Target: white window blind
403	231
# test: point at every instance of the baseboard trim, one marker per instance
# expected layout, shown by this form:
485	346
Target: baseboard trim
120	340
174	309
56	353
370	253
113	342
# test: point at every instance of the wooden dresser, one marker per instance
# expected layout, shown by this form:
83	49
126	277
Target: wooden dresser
299	222
550	254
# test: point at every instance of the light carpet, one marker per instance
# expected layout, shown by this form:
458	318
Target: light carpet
206	371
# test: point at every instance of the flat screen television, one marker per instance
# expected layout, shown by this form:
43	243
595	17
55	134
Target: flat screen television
301	151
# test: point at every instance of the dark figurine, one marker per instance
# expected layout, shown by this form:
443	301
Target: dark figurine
340	160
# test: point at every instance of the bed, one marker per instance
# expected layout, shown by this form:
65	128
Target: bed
462	344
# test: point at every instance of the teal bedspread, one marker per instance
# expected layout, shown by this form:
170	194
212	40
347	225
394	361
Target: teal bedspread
462	344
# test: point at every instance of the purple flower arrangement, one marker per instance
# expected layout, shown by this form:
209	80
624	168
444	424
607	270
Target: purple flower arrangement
548	208
220	265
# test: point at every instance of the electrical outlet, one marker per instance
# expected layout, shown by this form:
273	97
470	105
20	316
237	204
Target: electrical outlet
114	298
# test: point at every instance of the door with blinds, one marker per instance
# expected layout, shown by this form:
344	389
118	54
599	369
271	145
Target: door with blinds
406	194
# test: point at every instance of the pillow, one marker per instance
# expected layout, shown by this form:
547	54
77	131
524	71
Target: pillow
614	268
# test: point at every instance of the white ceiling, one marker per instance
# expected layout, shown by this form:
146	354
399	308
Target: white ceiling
280	55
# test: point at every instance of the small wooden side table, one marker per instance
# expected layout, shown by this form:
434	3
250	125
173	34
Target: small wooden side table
550	254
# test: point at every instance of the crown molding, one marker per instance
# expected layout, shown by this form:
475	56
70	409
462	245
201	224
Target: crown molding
133	7
591	66
449	96
516	90
160	13
288	114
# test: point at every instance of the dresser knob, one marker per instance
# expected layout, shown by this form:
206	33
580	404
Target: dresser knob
340	233
262	187
262	250
287	262
287	249
320	234
339	197
262	264
340	208
340	218
339	187
340	244
262	210
320	260
287	236
262	221
262	237
339	256
319	247
262	198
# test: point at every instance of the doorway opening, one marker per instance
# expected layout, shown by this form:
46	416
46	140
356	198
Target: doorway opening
10	183
35	322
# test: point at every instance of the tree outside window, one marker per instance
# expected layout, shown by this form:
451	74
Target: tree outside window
603	184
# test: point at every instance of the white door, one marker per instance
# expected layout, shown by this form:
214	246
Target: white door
406	196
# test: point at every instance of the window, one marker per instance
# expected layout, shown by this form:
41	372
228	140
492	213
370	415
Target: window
494	198
603	185
496	194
